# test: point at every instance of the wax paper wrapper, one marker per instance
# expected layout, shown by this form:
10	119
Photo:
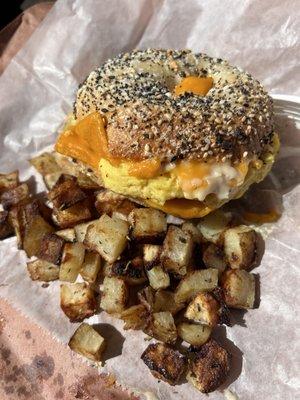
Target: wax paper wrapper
36	92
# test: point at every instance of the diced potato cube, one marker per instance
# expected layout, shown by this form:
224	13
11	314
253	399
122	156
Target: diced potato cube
195	282
87	342
80	230
135	317
151	255
34	233
213	225
177	251
146	297
164	362
45	163
162	327
209	367
51	248
164	300
51	179
9	181
72	260
194	334
11	197
148	223
6	229
158	278
240	246
114	295
73	215
16	222
131	271
192	229
67	234
213	257
66	192
205	309
108	202
108	236
41	270
91	266
239	288
77	301
86	182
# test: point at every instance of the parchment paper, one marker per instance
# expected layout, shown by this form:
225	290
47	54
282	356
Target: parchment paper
36	92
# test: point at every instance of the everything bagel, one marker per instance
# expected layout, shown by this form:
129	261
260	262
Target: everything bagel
179	131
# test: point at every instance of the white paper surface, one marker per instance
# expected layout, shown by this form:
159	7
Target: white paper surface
37	91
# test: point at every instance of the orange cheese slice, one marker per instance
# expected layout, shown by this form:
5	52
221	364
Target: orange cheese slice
192	174
87	142
194	84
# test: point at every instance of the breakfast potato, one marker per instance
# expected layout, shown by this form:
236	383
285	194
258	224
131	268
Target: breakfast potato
51	248
77	301
177	251
34	232
107	236
209	367
106	269
147	224
164	300
213	226
6	229
87	342
41	270
80	230
67	234
135	317
131	271
158	277
192	229
72	260
9	181
13	196
151	255
85	182
67	164
204	308
164	362
114	295
51	179
194	334
68	218
239	288
240	247
146	297
213	257
195	282
224	312
45	164
30	208
108	202
66	193
91	266
21	216
15	220
162	327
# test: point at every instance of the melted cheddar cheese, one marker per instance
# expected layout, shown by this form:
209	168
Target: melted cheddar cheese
194	84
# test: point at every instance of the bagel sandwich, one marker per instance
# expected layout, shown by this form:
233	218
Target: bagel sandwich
173	130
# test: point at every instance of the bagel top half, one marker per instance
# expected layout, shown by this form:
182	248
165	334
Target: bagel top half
175	130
